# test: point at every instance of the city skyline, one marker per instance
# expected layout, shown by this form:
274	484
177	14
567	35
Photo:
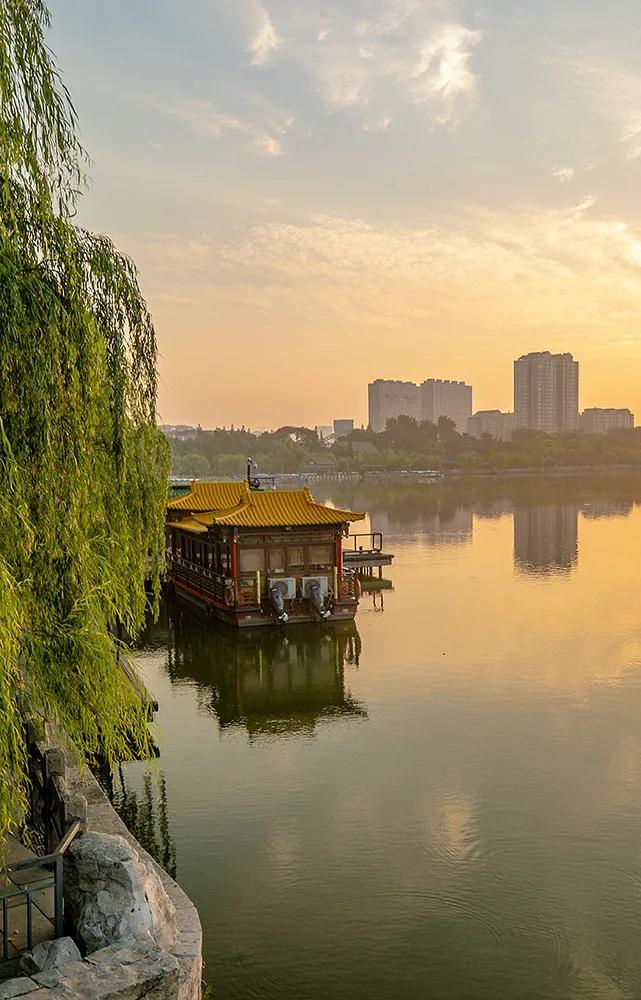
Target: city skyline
545	397
445	184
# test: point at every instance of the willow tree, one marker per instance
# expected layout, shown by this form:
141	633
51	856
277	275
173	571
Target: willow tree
82	467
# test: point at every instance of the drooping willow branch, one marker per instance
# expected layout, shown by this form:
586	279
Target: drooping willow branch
82	466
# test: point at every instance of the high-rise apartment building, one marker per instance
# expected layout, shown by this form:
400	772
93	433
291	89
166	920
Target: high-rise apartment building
598	420
499	425
387	399
442	398
546	392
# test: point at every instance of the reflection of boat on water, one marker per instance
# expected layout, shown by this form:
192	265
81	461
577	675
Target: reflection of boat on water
266	680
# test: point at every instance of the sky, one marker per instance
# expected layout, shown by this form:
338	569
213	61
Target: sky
321	194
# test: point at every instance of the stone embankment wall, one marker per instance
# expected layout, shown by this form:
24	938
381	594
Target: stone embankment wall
141	933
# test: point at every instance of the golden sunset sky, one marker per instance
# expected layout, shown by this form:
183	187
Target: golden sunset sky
320	194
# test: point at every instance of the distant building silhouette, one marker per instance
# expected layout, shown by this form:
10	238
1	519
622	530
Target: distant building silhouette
434	398
443	398
499	425
387	399
546	537
343	427
181	432
324	431
598	420
546	392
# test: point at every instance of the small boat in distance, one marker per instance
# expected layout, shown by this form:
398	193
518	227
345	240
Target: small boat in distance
249	557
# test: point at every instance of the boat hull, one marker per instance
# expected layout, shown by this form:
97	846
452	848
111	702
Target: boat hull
299	612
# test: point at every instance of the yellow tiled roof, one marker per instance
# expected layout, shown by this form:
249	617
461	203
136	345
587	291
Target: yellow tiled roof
189	524
254	509
210	496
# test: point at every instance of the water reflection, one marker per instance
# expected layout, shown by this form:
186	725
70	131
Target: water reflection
270	681
478	836
607	507
449	525
545	512
145	813
546	538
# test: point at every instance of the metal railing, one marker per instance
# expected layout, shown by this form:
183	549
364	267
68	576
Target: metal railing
11	896
375	539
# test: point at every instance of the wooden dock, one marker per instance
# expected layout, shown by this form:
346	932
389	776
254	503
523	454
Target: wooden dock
365	552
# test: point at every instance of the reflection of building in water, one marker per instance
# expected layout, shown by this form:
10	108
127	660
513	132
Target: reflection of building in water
275	681
603	507
546	537
448	525
494	510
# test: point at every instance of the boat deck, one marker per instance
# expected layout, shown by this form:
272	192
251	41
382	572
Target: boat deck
365	551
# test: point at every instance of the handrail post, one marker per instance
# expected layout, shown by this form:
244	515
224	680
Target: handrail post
5	929
58	898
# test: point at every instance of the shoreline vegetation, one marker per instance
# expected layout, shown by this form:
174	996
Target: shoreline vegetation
405	448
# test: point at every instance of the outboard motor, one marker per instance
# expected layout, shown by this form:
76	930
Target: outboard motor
317	600
278	603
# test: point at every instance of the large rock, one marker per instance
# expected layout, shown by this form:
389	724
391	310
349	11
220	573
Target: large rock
135	970
112	893
19	987
50	955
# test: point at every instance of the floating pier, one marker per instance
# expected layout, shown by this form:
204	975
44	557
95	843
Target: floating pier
364	553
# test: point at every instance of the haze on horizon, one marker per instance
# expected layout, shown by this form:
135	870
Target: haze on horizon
320	195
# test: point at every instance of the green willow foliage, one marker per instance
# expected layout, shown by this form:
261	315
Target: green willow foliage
83	470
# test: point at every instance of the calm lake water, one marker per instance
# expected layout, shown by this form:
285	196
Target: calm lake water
444	802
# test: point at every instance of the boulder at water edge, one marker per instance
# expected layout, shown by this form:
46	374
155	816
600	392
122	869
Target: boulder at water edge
112	893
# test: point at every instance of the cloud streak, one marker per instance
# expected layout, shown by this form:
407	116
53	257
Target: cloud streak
529	268
265	41
615	95
208	121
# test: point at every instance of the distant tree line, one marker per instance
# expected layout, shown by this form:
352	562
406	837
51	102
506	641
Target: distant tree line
224	452
405	444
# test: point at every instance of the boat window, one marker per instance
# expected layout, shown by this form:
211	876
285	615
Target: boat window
320	555
295	557
251	560
210	556
276	560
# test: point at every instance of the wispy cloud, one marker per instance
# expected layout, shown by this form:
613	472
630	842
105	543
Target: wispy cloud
526	267
379	126
265	41
443	73
562	174
208	121
404	53
615	95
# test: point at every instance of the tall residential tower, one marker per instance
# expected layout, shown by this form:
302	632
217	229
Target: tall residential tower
546	392
442	398
434	398
388	399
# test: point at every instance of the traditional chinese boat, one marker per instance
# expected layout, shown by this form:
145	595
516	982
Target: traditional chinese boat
251	557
